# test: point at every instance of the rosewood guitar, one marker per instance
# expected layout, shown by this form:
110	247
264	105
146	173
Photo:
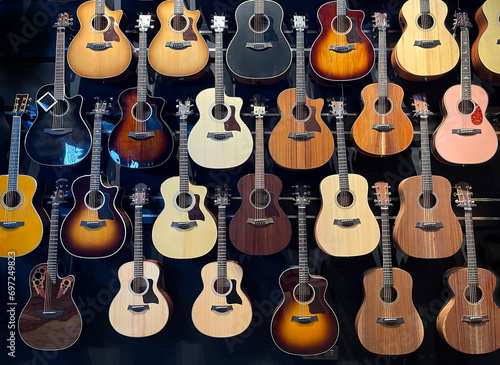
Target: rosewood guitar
141	307
486	48
470	319
387	322
382	128
51	320
141	138
303	323
341	52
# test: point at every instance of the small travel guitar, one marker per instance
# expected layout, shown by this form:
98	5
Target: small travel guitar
303	323
259	52
345	225
426	226
96	226
21	224
59	136
387	322
99	50
464	136
220	139
141	138
486	48
185	228
382	128
300	140
470	319
259	226
222	309
51	320
141	307
426	49
341	52
178	50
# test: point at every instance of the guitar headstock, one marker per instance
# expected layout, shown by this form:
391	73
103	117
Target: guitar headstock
140	194
63	20
421	106
301	195
60	193
218	23
461	20
145	22
259	109
100	108
464	195
380	20
21	103
337	107
299	23
222	196
183	109
382	194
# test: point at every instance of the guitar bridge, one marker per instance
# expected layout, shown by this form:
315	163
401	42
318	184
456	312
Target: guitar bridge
259	46
49	314
346	222
301	136
222	308
342	48
219	136
93	224
427	43
390	321
466	131
429	226
99	46
11	225
383	127
138	308
260	221
183	225
141	136
304	319
178	45
58	131
475	319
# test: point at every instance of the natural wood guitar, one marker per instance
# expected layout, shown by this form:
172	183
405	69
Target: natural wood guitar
486	48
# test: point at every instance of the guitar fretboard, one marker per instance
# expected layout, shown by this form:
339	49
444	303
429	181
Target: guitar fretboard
142	71
341	8
14	153
303	261
424	7
300	87
382	63
219	69
342	155
183	156
471	249
95	167
221	242
259	153
465	72
426	155
53	241
258	7
386	248
100	7
138	234
178	7
59	64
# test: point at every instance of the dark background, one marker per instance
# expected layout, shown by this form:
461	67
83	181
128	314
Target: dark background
27	46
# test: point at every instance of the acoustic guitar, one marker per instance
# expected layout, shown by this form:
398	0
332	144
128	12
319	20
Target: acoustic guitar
96	226
345	225
259	52
486	48
303	323
100	49
426	226
59	136
51	320
21	218
222	309
300	140
426	49
387	322
141	307
220	139
185	228
470	319
464	136
141	139
341	52
382	128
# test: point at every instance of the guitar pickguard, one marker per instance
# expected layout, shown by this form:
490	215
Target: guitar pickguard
233	297
105	211
150	296
196	214
353	36
315	306
189	34
65	285
477	116
311	124
110	35
232	124
270	35
38	280
271	210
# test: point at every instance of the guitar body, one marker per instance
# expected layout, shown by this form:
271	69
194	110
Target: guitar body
61	327
139	151
99	64
300	154
135	315
247	63
183	61
232	320
399	339
47	144
486	49
453	148
298	338
254	239
418	242
21	227
463	336
329	65
351	240
200	233
375	143
95	233
219	153
419	63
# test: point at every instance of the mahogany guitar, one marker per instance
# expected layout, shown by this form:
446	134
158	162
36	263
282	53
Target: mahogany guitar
382	128
141	307
470	319
259	52
178	50
345	225
486	48
387	322
141	139
259	226
222	309
341	52
464	136
51	320
426	226
59	136
303	323
185	228
426	49
300	140
21	224
100	49
96	226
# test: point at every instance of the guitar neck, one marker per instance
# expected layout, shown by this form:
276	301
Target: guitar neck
95	167
259	153
465	72
382	63
471	249
342	154
258	7
142	72
386	248
424	7
221	242
219	69
303	261
59	64
178	7
341	8
100	7
183	156
53	241
138	250
426	154
300	86
14	153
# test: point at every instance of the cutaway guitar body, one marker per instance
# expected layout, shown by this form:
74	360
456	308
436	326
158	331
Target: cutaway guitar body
485	51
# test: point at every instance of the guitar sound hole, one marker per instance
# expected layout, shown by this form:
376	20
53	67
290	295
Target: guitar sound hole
11	199
383	105
60	108
473	296
94	199
425	21
300	111
178	23
139	285
141	111
184	200
100	23
341	24
222	286
219	111
345	198
466	107
259	198
388	294
259	23
303	293
427	200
